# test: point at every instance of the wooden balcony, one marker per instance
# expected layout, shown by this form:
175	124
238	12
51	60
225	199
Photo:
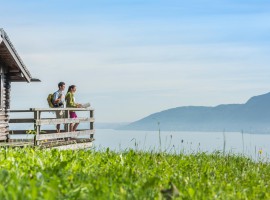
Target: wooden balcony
49	138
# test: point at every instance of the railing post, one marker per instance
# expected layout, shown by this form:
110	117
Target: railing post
67	127
37	127
91	123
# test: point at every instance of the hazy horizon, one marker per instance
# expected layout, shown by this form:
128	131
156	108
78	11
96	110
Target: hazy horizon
132	59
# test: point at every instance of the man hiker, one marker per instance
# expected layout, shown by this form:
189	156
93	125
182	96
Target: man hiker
58	102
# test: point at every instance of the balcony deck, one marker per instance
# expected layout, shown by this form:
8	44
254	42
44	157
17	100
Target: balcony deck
44	138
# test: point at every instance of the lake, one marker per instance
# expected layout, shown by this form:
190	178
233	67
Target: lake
176	142
252	145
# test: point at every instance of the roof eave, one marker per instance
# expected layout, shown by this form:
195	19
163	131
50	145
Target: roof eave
26	76
5	39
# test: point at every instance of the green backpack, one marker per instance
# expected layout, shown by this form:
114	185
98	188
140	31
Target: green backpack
50	100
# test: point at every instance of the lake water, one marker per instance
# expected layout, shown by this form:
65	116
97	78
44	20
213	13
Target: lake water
252	145
176	142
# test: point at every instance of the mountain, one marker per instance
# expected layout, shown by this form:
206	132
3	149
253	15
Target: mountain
253	116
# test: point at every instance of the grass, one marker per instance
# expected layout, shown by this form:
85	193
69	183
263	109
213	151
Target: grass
51	174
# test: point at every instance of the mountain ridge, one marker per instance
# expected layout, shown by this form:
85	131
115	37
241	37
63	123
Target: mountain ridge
252	116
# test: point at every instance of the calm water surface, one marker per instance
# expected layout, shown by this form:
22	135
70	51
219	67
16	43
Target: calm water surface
188	142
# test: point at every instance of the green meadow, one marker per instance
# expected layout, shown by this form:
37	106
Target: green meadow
88	174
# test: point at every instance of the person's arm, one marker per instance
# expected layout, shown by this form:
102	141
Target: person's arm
70	101
79	105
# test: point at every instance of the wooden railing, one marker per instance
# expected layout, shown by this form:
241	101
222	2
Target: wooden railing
41	136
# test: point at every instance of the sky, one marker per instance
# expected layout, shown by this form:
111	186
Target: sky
130	59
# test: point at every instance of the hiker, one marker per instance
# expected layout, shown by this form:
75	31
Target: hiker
58	102
70	102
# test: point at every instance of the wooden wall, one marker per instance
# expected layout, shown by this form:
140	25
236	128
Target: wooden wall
4	102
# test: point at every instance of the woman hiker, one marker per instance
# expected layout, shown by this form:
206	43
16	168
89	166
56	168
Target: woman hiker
70	103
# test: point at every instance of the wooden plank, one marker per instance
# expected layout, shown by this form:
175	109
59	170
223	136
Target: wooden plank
2	130
16	144
14	111
77	134
21	136
54	109
3	137
75	146
17	132
5	125
63	121
22	120
3	117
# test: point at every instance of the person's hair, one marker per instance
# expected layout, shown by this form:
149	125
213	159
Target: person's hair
61	84
71	87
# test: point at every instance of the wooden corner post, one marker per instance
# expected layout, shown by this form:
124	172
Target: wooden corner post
92	123
36	126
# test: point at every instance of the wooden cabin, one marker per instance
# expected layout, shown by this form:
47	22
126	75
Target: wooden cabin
12	69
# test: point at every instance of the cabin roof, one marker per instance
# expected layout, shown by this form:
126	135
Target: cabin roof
10	59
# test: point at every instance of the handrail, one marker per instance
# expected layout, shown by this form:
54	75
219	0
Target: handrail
17	111
52	109
68	109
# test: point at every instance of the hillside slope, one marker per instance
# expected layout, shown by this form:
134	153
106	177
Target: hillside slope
254	115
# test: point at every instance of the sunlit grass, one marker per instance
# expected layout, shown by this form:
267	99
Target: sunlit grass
86	174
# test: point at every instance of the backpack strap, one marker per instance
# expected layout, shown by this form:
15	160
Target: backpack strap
55	105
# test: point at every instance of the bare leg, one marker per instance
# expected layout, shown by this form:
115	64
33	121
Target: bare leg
71	127
75	126
58	128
